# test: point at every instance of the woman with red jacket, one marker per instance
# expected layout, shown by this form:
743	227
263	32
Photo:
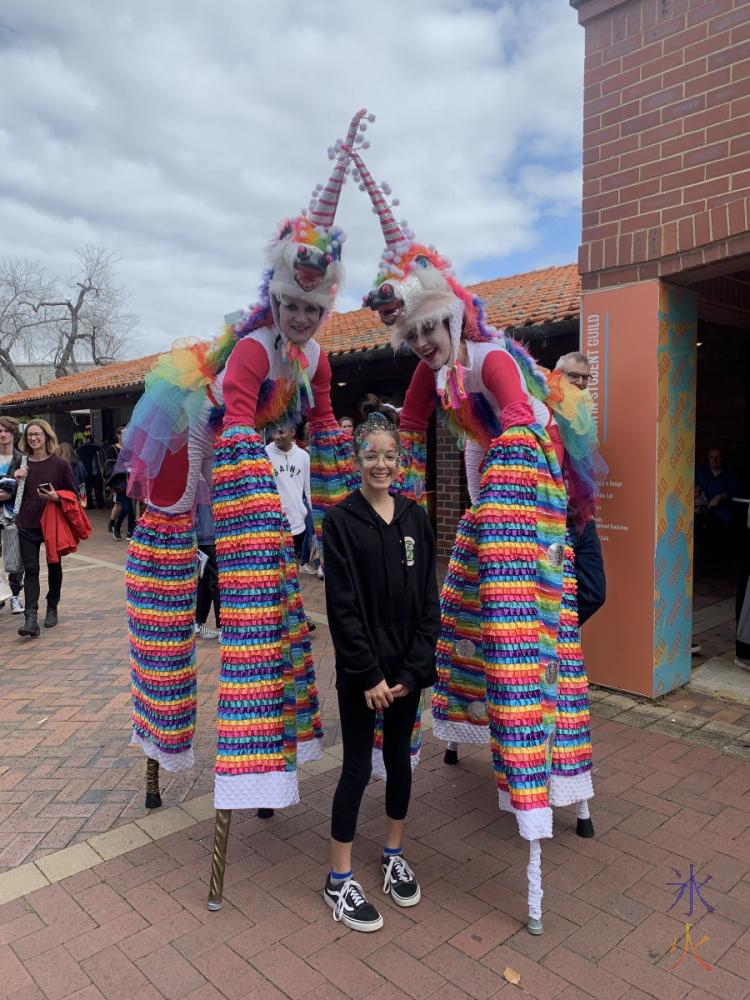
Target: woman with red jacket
41	479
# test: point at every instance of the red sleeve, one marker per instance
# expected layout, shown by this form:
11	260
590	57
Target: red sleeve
248	365
321	416
419	403
503	379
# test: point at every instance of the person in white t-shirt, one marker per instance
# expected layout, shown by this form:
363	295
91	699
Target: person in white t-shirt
291	469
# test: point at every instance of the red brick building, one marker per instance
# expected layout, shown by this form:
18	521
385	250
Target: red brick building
665	270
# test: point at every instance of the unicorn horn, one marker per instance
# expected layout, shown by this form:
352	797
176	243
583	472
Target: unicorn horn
323	212
391	229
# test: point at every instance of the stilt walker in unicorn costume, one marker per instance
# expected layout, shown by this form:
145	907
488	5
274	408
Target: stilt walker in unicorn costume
203	407
509	636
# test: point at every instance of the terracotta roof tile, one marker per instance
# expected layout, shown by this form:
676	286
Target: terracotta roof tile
549	295
122	375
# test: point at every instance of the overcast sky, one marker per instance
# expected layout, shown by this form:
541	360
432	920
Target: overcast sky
179	134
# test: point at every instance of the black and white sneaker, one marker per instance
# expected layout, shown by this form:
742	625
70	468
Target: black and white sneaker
399	880
349	904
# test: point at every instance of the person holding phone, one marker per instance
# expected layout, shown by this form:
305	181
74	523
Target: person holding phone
45	473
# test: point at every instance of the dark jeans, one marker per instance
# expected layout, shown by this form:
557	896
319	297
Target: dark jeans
127	509
208	587
299	541
95	491
589	569
31	540
357	731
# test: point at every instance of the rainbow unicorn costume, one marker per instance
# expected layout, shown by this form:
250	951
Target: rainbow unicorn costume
509	662
195	430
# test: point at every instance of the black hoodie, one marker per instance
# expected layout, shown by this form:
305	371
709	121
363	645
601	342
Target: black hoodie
381	594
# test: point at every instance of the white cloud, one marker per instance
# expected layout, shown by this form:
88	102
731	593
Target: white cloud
179	134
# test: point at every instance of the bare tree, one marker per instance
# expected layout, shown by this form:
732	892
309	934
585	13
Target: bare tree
23	313
92	321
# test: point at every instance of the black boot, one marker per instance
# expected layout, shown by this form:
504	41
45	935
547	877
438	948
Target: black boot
50	619
30	624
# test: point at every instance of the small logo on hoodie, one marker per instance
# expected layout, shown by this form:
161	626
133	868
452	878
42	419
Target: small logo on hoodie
409	550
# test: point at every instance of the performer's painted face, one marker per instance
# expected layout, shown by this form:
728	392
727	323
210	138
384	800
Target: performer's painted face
298	319
378	460
431	343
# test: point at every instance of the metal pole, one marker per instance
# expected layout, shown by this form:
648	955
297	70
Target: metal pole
153	795
219	858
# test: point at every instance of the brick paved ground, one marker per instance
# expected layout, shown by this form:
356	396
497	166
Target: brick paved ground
137	925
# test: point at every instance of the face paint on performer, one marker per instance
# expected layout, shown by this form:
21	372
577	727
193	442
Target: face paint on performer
298	319
432	343
378	459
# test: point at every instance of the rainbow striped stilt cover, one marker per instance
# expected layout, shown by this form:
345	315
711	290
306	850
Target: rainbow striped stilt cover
332	472
520	533
265	652
571	753
459	711
412	467
160	582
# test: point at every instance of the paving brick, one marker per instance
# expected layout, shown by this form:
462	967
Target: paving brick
106	935
201	939
262	936
102	903
460	970
643	974
585	974
535	979
57	974
556	931
225	970
152	902
28	923
287	972
13	975
599	936
152	937
347	972
485	934
311	938
114	974
171	974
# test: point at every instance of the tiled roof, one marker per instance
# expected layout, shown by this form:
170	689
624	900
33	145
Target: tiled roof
549	295
104	380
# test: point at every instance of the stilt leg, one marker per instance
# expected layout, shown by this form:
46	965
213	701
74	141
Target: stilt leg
153	795
451	753
534	874
584	826
219	859
264	813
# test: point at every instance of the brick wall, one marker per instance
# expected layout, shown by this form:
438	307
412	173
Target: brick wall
666	143
452	497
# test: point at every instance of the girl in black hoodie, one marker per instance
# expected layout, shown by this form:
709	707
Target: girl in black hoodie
384	615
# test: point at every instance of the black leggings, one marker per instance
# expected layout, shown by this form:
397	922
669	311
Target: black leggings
127	510
30	541
357	731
